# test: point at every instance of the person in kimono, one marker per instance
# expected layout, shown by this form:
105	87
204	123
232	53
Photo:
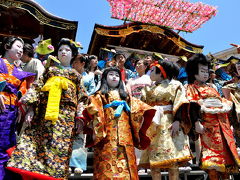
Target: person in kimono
13	87
169	148
232	92
210	114
45	147
115	124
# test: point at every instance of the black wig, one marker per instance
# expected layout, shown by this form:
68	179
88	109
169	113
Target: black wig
104	89
7	44
66	41
192	66
171	69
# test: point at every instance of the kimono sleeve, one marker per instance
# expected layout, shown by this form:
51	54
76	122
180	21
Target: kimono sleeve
141	118
181	108
194	110
31	97
94	120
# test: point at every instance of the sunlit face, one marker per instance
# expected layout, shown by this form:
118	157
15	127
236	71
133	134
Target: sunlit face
94	62
120	59
140	67
78	65
65	55
154	76
238	68
149	59
203	73
16	50
113	79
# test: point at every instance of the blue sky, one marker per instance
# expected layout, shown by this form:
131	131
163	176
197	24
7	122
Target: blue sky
215	35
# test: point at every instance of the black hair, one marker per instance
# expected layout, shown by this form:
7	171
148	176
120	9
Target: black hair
7	44
118	54
171	69
88	68
82	58
104	89
28	49
192	66
66	41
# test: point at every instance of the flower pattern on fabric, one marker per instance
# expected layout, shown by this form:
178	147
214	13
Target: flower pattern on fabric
165	151
218	145
112	137
45	148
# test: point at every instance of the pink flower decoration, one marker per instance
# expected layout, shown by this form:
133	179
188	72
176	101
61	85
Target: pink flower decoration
176	14
50	47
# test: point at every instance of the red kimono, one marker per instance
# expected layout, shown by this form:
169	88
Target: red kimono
218	146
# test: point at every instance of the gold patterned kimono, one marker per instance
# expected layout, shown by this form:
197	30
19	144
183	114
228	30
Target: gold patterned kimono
166	151
235	97
218	146
114	138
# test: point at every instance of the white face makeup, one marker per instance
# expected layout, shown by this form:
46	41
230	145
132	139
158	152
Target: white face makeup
155	77
203	73
113	79
238	68
16	51
65	55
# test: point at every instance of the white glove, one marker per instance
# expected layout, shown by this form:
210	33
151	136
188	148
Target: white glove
174	128
199	127
79	126
29	116
2	105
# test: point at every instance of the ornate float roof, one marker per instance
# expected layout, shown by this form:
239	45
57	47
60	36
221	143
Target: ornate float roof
175	14
141	36
27	19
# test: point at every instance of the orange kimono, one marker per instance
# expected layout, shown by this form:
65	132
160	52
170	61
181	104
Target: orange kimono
114	138
218	146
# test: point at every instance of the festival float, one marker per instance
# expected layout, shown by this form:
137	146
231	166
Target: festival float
152	26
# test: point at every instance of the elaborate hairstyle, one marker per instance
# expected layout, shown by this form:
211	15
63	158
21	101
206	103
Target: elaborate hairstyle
192	66
7	44
104	89
28	49
171	69
70	43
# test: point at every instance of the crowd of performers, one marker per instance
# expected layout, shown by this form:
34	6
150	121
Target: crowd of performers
136	112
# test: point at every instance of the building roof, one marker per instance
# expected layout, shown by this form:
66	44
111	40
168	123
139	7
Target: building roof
27	19
141	36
